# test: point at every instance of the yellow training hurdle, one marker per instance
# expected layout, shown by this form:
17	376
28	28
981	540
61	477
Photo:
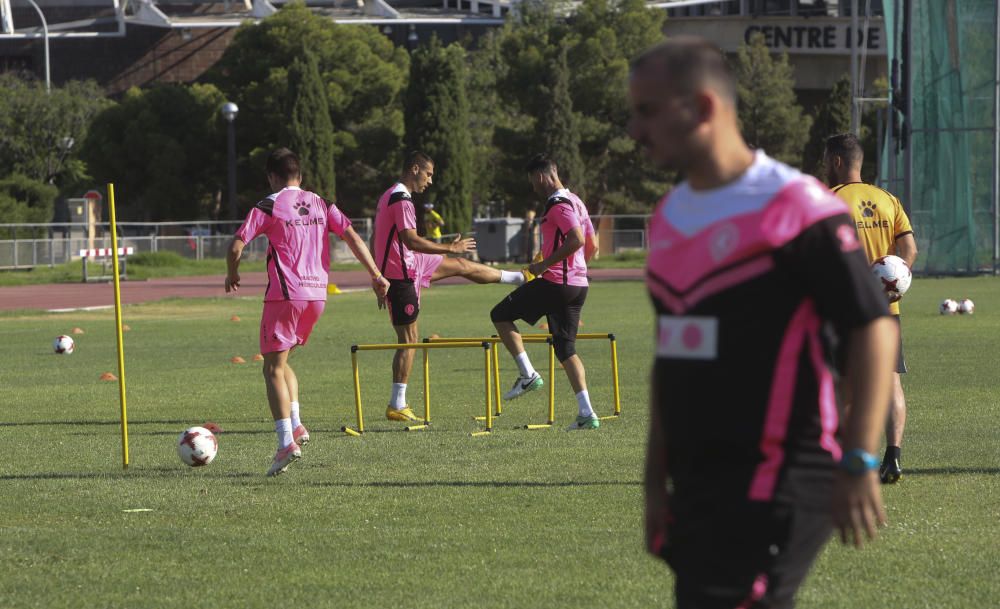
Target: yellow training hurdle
541	338
488	367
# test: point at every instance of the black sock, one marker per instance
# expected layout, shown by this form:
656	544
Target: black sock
891	452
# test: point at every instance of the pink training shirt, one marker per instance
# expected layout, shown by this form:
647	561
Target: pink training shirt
393	215
296	223
564	211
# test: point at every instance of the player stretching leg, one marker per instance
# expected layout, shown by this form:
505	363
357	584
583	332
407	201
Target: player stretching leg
411	262
296	223
568	242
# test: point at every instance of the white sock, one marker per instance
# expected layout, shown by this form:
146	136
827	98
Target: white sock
398	400
283	427
512	277
296	421
524	365
583	400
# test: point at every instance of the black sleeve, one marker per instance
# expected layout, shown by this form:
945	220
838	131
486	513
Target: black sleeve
828	262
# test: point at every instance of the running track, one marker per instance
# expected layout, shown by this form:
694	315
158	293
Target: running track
69	296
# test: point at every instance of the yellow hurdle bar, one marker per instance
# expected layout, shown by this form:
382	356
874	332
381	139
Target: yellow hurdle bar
496	378
488	369
118	324
486	345
546	338
427	390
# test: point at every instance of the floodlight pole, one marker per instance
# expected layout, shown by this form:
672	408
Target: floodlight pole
45	35
996	143
853	40
229	111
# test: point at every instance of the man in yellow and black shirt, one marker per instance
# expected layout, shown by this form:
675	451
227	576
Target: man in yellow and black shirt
883	229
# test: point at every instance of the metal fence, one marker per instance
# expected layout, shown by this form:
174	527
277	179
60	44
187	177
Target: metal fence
25	246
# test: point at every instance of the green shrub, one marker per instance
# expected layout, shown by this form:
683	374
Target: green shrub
157	259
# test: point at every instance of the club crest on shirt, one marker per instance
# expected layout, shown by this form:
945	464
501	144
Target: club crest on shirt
848	238
688	337
723	241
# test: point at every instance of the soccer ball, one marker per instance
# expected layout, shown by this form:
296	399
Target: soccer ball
948	307
893	274
966	306
197	446
63	345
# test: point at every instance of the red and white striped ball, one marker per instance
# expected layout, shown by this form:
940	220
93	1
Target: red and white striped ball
197	446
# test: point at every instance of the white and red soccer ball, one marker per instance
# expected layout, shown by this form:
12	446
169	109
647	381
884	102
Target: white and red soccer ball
197	446
948	307
893	274
63	345
966	306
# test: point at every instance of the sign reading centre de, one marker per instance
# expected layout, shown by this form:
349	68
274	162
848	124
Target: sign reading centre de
792	35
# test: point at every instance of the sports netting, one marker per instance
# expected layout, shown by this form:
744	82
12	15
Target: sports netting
952	194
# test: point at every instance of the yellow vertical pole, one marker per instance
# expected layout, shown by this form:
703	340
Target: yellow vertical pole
357	389
487	369
496	378
552	382
614	374
427	388
118	324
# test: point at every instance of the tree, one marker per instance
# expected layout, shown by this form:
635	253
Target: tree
40	132
164	149
437	123
364	75
770	116
26	200
600	37
560	128
833	117
310	130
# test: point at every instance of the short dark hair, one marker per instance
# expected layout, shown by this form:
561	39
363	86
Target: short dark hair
691	61
847	146
284	163
541	163
415	157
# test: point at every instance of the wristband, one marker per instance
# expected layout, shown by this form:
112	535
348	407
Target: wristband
858	461
376	275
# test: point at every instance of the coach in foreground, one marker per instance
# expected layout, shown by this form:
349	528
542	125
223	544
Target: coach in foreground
750	261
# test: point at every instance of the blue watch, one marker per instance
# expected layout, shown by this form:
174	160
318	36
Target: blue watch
858	461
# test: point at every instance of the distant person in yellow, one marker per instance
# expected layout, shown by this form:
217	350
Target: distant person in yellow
433	222
883	229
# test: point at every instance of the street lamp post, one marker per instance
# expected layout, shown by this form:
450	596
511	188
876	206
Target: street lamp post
45	35
229	112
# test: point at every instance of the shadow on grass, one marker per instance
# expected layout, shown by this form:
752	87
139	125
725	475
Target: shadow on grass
476	484
154	472
111	422
944	471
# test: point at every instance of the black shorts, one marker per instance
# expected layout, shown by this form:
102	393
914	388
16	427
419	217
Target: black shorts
403	302
560	304
757	557
900	360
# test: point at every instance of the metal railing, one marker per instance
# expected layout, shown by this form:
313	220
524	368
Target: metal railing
25	246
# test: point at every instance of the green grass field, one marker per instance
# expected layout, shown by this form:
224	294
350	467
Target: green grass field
437	518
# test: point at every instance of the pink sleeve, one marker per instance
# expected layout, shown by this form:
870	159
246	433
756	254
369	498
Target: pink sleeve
406	217
336	221
253	226
565	217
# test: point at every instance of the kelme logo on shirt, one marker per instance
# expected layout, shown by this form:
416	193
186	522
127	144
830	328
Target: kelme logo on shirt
868	209
302	207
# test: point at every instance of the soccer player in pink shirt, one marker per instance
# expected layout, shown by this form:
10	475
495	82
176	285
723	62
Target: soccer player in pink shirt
558	293
296	223
411	262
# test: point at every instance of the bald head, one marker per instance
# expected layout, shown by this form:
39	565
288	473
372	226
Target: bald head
689	63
